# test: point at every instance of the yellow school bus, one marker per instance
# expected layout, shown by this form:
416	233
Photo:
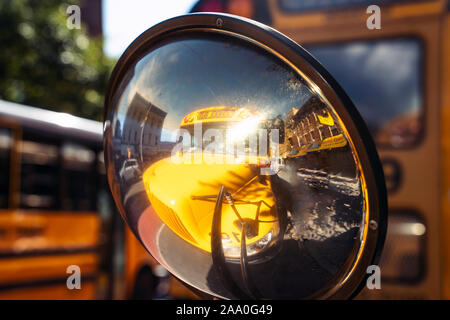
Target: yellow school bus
56	211
398	75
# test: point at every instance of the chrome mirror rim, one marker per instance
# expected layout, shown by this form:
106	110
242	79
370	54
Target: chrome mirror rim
349	283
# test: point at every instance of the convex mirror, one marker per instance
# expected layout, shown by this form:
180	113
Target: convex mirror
240	164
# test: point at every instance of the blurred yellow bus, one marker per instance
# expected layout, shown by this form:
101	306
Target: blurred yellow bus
56	211
398	76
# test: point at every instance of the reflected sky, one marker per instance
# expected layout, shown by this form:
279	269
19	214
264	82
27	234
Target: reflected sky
196	73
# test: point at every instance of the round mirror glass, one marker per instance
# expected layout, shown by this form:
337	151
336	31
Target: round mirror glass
233	168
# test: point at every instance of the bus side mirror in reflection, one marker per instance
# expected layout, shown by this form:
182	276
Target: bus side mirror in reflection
235	158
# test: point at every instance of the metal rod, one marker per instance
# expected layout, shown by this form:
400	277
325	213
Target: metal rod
246	277
218	257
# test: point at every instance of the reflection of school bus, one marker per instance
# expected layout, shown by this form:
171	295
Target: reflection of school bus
188	209
325	144
398	76
56	211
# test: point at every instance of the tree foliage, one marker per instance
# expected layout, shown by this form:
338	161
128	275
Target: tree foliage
43	63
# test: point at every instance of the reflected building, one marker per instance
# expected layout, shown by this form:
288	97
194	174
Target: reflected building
315	139
309	126
142	128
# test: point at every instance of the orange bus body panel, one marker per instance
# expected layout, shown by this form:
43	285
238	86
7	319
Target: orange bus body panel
445	122
36	247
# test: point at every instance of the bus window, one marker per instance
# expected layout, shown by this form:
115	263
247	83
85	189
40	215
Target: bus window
5	159
39	176
78	166
296	6
391	102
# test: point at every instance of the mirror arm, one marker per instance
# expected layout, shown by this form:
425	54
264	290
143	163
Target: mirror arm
217	254
246	277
